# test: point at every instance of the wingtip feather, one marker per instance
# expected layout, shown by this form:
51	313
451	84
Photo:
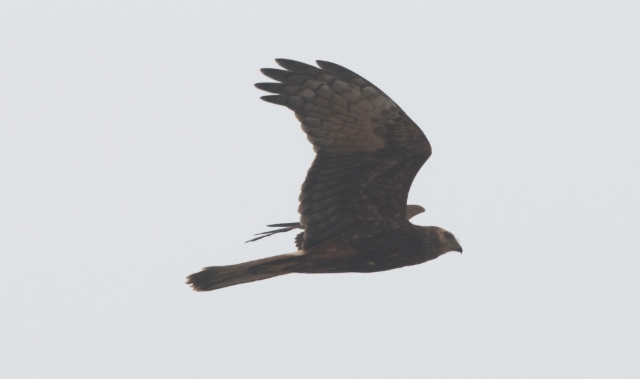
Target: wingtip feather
292	65
321	63
269	87
282	61
274	99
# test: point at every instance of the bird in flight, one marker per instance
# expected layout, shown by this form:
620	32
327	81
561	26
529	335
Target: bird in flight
353	202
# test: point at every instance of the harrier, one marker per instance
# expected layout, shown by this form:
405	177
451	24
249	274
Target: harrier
353	202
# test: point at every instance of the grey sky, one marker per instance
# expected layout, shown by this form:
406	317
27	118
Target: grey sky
134	150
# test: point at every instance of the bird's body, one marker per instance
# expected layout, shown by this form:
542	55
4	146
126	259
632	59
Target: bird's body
353	203
395	248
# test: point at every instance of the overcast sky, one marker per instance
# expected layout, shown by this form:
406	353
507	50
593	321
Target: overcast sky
134	150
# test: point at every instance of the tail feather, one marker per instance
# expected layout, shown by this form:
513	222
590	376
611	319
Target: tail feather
215	277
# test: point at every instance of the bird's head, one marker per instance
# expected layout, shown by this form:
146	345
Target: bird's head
442	240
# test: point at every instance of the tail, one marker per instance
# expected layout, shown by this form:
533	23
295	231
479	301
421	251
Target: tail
214	277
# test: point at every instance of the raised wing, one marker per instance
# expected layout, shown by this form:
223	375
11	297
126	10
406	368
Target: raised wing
368	150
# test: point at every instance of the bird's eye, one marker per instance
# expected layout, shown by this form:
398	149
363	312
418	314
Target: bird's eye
448	235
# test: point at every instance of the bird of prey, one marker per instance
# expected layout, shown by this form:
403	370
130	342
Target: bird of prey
353	202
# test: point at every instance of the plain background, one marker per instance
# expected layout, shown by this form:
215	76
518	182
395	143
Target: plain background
134	150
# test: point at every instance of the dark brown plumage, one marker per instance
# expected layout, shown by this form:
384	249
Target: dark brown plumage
353	203
412	210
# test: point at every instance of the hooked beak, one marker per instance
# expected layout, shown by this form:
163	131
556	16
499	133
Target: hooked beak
457	248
